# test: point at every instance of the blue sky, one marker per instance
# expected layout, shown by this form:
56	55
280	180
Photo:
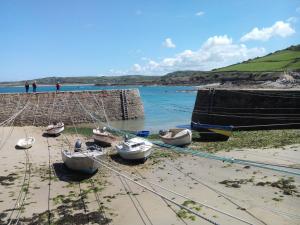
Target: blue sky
93	37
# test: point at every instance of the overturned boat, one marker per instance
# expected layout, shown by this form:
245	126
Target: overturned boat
55	128
103	136
135	149
84	161
176	136
26	142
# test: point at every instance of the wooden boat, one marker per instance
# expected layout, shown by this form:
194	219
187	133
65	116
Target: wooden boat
82	161
55	129
103	136
135	149
26	142
213	131
177	136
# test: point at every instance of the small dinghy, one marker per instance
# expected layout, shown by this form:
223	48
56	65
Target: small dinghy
143	133
135	149
26	142
103	136
82	160
176	136
55	128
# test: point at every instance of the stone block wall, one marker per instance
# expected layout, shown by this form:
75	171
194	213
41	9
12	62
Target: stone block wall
78	106
248	109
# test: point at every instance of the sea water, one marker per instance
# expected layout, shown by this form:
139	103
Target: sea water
165	106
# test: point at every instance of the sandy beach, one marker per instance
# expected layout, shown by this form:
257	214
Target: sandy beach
40	190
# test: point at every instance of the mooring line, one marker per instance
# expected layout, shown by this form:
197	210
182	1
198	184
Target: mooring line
98	199
218	192
169	206
133	202
149	189
18	206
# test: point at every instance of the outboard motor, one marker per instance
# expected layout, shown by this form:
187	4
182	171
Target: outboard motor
162	132
126	137
77	145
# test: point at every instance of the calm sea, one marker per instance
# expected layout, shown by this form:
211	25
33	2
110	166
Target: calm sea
165	106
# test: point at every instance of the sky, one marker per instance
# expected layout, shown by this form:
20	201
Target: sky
40	38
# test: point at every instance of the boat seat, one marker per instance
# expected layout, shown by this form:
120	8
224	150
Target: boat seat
181	133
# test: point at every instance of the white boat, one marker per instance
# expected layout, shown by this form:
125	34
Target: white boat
82	161
177	137
26	142
135	148
55	129
103	136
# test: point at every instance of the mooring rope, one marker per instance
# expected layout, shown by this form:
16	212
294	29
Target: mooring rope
200	153
141	185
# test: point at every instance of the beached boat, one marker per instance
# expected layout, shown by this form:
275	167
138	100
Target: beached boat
135	149
26	142
82	161
55	128
142	133
177	136
103	136
212	130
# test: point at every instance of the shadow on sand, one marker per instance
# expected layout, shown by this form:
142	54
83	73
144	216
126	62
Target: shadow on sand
117	158
46	135
19	148
65	174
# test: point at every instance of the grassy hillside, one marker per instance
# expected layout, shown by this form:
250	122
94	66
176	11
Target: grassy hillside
287	59
99	80
265	68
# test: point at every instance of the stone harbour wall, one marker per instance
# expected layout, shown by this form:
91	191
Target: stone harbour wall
78	106
248	109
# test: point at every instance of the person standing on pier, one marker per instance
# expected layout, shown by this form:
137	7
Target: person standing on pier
26	86
58	86
34	86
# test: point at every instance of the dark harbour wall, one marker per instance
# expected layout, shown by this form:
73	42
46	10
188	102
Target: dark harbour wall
64	106
248	109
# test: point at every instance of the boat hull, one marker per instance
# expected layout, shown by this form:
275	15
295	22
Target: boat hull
103	138
210	131
181	140
107	140
80	162
135	149
25	143
136	155
55	130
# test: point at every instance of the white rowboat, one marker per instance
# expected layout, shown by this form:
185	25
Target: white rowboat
26	142
103	136
177	137
55	129
82	161
135	149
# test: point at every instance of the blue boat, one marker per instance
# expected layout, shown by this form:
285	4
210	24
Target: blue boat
143	133
218	130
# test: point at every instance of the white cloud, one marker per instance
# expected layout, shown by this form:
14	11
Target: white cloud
168	43
280	29
298	10
216	51
292	19
200	13
137	68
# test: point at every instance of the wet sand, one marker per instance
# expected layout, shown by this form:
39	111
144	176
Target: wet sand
58	196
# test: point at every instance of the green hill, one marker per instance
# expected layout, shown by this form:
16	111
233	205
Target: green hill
286	59
266	68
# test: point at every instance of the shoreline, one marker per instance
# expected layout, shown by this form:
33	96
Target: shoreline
205	180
